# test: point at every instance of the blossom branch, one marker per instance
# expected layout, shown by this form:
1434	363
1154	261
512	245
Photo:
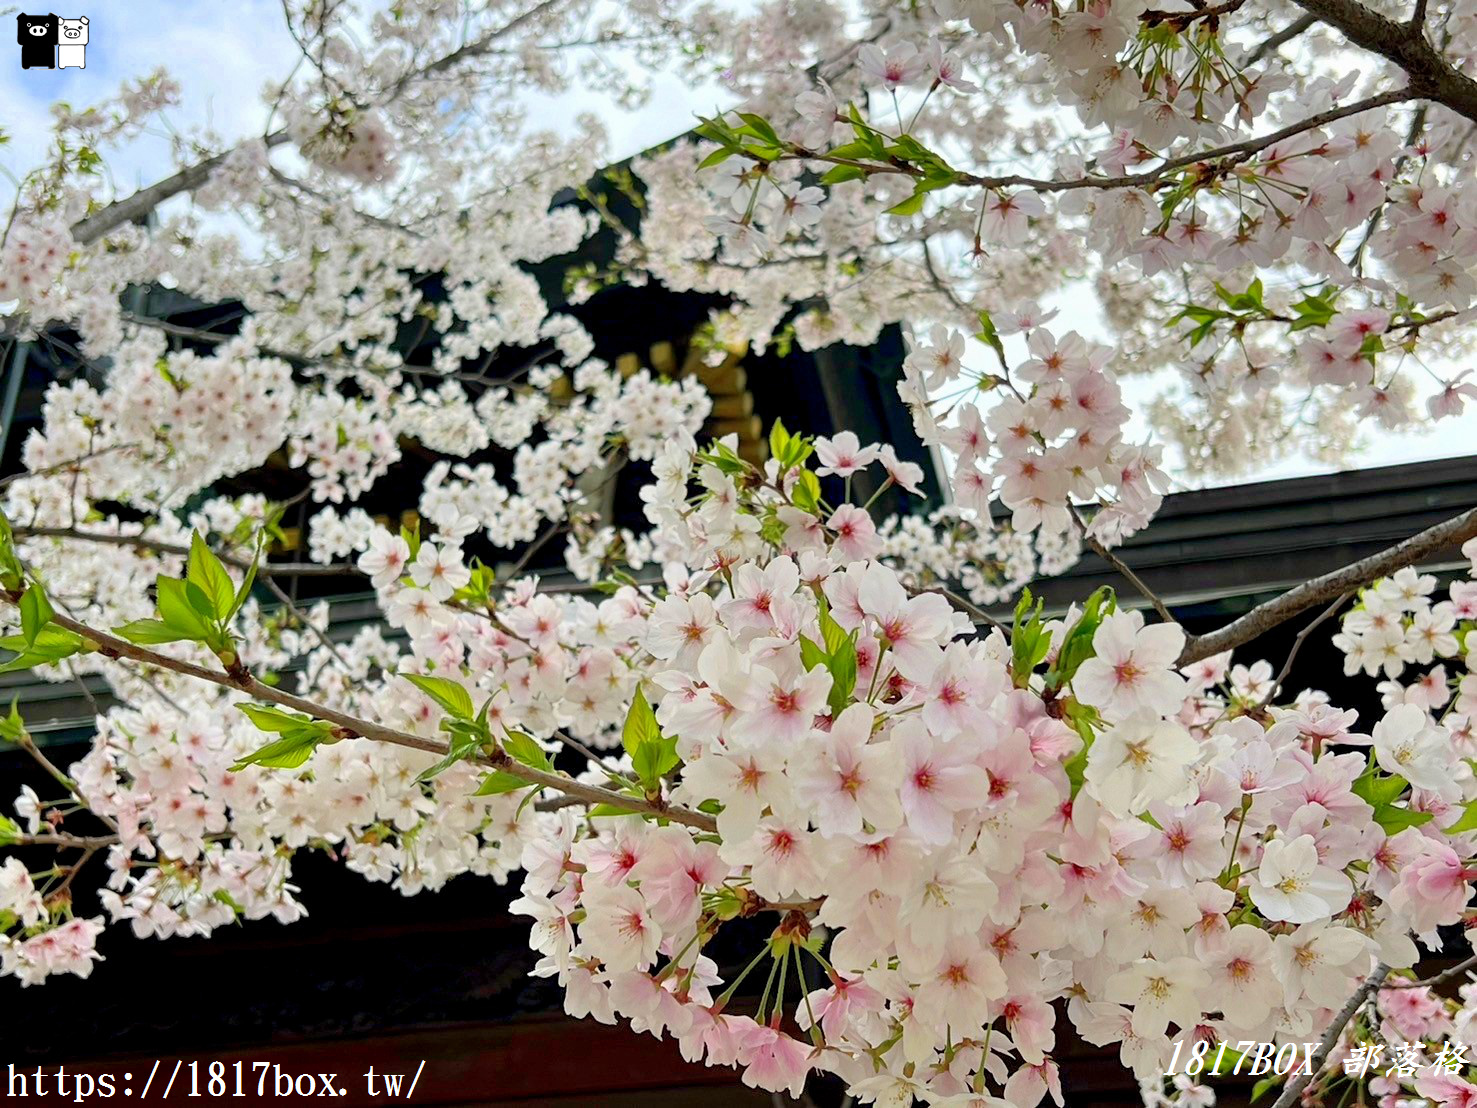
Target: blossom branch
1322	589
93	227
78	842
1236	152
352	726
131	208
1294	1088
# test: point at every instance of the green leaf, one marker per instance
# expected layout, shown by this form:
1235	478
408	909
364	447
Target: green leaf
760	128
652	754
459	752
36	612
147	632
839	173
52	644
832	634
1395	820
640	726
1467	822
452	696
807	492
989	335
717	157
10	831
812	655
843	676
654	760
524	748
288	752
1079	716
177	610
527	800
779	439
12	727
1077	643
498	782
1378	791
207	574
277	721
1029	642
912	205
246	582
602	810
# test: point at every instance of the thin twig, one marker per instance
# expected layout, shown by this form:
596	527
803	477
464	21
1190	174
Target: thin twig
1281	38
143	542
28	744
72	871
973	611
1235	153
321	636
1297	645
1439	979
1123	568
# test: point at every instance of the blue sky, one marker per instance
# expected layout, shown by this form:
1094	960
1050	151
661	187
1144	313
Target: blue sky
222	52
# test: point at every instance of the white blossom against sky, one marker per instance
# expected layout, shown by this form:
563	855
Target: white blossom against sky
222	53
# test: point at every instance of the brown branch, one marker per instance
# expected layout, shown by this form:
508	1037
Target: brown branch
72	871
79	842
71	465
1432	77
1180	21
1441	978
192	177
1294	1088
145	200
113	647
1322	589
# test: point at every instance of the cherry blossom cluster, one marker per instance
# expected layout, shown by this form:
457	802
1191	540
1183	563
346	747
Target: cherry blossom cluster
1053	437
977	841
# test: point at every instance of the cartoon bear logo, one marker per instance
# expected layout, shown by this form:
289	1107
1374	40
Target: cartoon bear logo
73	40
37	35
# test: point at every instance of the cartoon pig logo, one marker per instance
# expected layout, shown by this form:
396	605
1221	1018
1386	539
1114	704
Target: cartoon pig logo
72	37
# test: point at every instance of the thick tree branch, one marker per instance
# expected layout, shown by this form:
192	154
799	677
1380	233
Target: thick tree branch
1432	77
1323	589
